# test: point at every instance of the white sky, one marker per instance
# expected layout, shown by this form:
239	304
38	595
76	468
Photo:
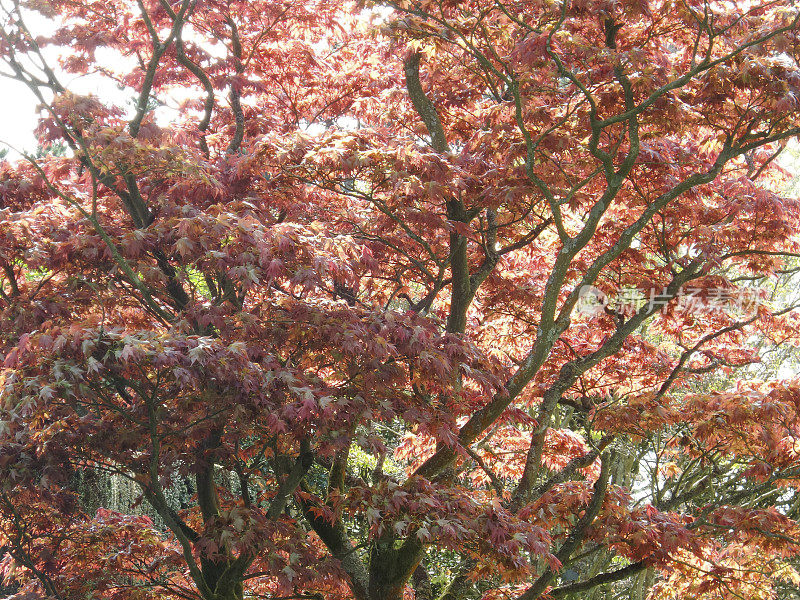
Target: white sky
18	105
17	115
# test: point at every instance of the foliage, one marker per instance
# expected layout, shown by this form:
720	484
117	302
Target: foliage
340	293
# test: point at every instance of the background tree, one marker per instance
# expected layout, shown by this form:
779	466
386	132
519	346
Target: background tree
341	296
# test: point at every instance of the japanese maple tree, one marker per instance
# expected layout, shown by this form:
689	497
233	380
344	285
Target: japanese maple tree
331	271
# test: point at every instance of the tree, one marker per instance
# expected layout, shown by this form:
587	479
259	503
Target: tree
431	298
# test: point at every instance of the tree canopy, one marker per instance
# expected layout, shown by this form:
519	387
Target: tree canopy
418	299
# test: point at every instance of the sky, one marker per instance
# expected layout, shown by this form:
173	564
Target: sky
17	115
18	105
